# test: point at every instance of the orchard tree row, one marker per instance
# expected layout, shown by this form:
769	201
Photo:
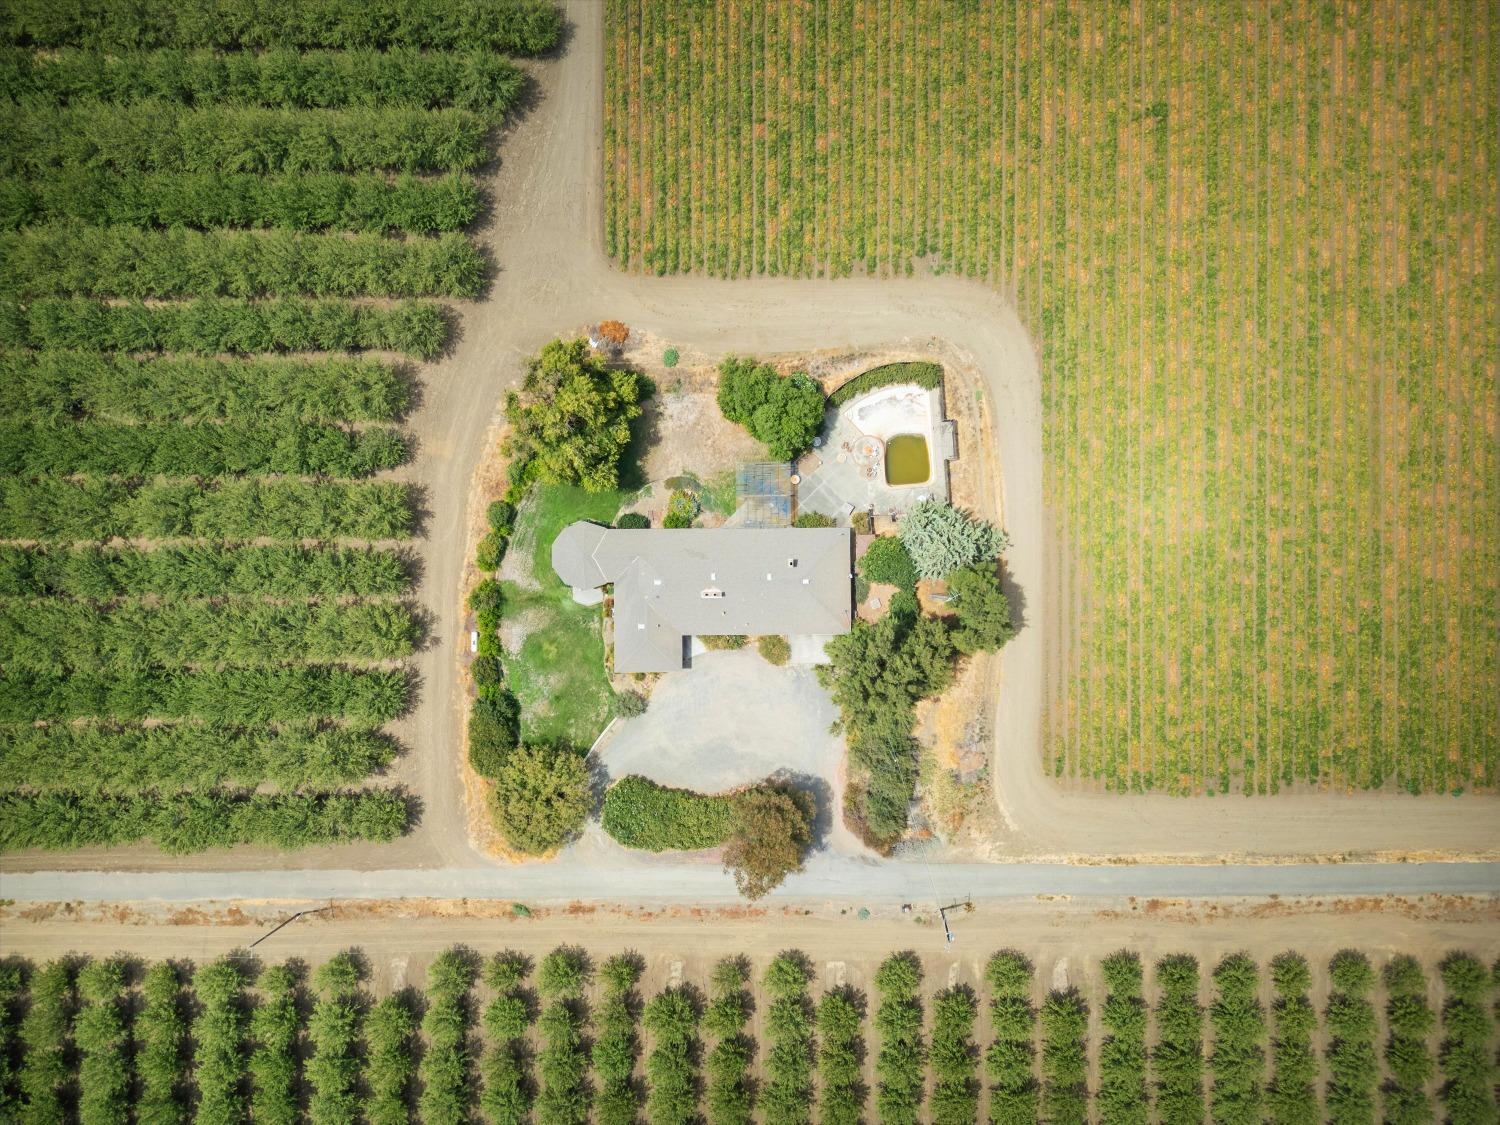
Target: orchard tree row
567	1040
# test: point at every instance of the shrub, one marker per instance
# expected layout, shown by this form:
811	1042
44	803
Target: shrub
632	520
128	760
955	1058
814	519
276	1030
564	973
928	375
241	139
672	1067
501	516
784	413
1123	1097
640	813
489	553
770	834
628	704
541	798
1291	1095
787	1097
942	538
774	650
670	357
1009	1062
724	641
682	509
901	1061
571	418
984	622
447	1081
730	1087
887	560
494	731
1350	1022
1177	1061
517	27
862	523
389	1067
1408	1061
116	261
58	386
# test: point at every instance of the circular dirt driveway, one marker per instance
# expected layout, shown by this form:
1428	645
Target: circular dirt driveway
729	720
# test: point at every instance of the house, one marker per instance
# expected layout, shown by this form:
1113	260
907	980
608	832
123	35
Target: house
674	584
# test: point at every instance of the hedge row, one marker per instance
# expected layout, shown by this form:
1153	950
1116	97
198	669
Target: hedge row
333	1035
44	1039
1123	1097
672	1066
77	510
1466	1057
201	571
156	137
219	1040
70	259
929	375
197	822
230	695
309	201
516	27
786	1098
390	1032
639	813
211	325
730	1086
285	77
1291	1095
203	450
128	760
160	1033
50	635
1408	1061
102	1040
1065	1060
901	1063
1238	1061
1350	1022
1177	1061
276	1061
506	1096
841	1047
564	1094
58	386
1010	1062
617	1046
955	1058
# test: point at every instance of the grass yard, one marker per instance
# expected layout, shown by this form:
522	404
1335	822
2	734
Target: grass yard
558	674
1257	245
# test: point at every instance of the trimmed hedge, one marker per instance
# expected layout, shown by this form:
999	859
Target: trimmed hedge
639	813
1238	1061
132	760
201	571
173	138
516	27
1065	1063
617	1045
731	1089
902	1060
282	76
786	1097
231	695
276	1061
50	635
209	450
1010	1062
196	822
1350	1023
1291	1095
1408	1061
929	375
211	325
389	1064
308	201
954	1057
1177	1060
74	260
59	386
841	1048
1123	1096
672	1066
76	511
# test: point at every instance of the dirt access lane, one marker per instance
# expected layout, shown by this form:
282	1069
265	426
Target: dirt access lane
547	240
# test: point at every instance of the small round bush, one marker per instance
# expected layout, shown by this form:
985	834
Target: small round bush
633	521
502	516
491	740
681	508
670	357
485	596
862	523
628	704
490	552
774	650
887	560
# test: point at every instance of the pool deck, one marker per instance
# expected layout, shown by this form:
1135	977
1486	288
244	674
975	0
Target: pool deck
836	479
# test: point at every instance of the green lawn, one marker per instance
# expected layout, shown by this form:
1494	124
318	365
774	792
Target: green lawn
558	675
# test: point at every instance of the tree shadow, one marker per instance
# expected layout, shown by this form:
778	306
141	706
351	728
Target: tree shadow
821	793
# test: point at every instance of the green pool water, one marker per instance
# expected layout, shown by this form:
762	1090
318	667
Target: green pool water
906	460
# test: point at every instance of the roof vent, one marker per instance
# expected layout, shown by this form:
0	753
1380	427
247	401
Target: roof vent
791	562
712	592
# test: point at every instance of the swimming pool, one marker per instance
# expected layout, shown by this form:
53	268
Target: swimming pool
906	460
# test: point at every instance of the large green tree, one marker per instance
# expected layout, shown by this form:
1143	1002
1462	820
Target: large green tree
983	610
571	418
941	538
785	412
541	798
773	830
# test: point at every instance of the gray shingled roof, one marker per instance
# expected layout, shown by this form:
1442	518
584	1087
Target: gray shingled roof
671	584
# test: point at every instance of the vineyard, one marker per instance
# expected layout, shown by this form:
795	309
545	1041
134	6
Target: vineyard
568	1040
1257	248
206	581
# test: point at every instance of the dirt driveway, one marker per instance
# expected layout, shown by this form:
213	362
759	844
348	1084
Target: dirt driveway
730	720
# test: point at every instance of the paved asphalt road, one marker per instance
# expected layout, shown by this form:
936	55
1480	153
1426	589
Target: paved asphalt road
827	877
